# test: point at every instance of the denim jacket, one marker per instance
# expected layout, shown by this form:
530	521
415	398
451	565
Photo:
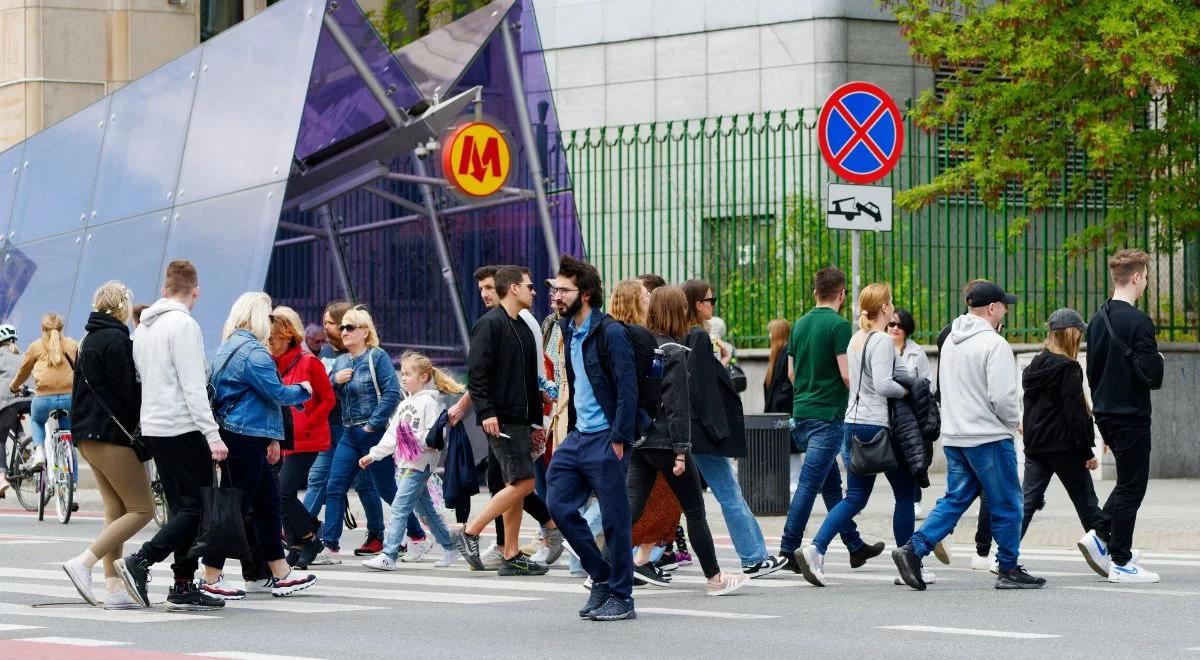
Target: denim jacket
248	390
357	397
614	385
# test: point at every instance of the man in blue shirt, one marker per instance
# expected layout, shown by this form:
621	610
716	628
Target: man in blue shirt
593	457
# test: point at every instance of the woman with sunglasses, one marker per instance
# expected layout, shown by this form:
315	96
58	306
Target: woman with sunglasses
909	353
366	386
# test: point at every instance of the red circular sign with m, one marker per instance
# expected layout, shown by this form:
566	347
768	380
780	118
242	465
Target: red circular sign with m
861	132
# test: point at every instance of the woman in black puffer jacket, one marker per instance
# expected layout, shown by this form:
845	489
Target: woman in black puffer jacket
916	424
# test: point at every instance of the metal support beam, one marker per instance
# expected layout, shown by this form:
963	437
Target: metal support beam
532	157
443	253
395	116
397	200
302	229
434	181
335	250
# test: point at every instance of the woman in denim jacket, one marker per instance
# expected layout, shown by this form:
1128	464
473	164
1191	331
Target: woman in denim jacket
366	386
247	400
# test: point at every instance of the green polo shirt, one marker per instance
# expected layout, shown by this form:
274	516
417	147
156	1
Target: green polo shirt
818	338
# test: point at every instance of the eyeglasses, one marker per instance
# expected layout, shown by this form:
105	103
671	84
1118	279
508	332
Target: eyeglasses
348	327
712	300
561	291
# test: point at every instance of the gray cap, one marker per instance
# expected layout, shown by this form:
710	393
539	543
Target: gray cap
1065	318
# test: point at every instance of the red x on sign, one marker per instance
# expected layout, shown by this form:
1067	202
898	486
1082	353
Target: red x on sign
860	132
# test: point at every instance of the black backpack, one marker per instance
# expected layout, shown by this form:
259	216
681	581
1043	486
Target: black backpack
644	345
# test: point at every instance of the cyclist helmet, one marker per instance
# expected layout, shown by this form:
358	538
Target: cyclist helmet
7	333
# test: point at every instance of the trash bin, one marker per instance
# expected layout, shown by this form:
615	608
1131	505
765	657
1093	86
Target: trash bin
765	472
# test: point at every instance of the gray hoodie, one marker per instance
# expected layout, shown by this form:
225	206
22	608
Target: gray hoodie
978	385
168	350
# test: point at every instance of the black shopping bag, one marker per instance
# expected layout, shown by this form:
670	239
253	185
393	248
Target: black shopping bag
221	530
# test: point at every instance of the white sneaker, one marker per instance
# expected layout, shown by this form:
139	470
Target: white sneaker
927	576
812	565
541	556
1130	573
918	512
380	562
38	459
81	577
492	558
120	600
417	550
222	588
263	586
1095	553
981	563
449	556
326	557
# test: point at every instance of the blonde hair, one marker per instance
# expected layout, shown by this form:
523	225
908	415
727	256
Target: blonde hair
625	303
52	325
250	312
359	316
871	302
291	316
115	299
424	367
1064	342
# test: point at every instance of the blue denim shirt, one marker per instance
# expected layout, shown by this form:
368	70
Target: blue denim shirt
248	390
589	416
357	396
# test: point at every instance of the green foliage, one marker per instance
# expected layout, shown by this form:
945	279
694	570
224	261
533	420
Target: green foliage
405	21
1033	82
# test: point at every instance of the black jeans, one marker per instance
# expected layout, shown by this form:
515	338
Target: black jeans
644	466
1075	477
248	470
532	504
1130	445
293	478
185	466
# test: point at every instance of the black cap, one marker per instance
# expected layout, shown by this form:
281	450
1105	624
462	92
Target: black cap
1065	318
986	293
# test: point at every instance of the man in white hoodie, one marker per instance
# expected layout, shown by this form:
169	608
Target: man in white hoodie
980	416
178	424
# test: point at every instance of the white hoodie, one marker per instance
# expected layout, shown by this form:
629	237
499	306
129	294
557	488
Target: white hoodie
978	374
168	350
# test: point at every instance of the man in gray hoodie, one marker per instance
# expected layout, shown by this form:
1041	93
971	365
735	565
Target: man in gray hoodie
980	416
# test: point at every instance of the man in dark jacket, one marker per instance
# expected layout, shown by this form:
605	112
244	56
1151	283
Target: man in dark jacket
504	389
1123	366
593	457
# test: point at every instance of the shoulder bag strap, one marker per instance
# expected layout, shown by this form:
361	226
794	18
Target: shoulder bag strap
1113	335
292	365
99	399
371	366
862	368
224	364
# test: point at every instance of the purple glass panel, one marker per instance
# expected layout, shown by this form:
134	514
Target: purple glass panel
339	105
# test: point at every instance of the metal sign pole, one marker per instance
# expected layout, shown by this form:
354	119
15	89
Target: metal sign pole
856	267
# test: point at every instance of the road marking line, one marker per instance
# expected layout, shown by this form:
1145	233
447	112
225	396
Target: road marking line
96	614
4	627
240	655
418	596
1137	590
71	641
970	631
26	542
705	613
290	604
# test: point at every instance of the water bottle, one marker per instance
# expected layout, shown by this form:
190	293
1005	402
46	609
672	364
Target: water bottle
657	364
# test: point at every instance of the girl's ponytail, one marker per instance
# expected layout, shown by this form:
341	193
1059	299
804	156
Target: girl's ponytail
441	380
446	384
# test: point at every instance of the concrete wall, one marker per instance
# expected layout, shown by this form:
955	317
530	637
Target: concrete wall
1176	442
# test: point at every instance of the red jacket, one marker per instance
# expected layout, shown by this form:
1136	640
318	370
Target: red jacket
311	424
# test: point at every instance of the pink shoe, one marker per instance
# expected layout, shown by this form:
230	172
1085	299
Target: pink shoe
683	558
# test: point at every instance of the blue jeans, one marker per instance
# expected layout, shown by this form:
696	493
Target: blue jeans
825	440
858	492
318	483
355	444
412	494
39	413
743	527
583	464
991	467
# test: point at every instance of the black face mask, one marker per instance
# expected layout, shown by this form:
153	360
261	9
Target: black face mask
574	307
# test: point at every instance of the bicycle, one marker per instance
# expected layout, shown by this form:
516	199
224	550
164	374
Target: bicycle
161	513
18	450
56	480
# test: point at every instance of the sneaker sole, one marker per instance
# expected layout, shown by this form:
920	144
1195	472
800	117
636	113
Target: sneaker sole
130	606
1087	556
939	551
380	568
906	575
186	607
130	585
503	573
280	592
222	596
807	571
1011	585
85	592
620	617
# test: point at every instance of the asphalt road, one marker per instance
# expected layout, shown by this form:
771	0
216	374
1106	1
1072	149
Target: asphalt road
355	613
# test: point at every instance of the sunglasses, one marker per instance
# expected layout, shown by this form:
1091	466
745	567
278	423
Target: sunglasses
348	327
712	300
893	324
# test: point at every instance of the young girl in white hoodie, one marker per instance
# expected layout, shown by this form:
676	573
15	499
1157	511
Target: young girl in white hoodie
406	441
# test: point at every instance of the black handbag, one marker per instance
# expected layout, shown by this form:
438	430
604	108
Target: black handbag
738	376
289	425
222	532
874	455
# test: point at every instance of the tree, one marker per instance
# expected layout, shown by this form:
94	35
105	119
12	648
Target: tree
405	21
1036	84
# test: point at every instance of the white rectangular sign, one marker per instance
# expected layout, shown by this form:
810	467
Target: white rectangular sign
859	208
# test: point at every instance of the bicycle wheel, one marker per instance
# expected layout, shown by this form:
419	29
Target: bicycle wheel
24	483
161	513
64	480
43	493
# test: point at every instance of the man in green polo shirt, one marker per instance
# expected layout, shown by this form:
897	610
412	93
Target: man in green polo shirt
817	361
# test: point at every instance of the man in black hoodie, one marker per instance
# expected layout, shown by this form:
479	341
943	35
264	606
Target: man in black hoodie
1123	366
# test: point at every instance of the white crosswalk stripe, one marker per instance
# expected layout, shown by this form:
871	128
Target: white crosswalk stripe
6	627
291	605
94	614
704	613
72	641
241	655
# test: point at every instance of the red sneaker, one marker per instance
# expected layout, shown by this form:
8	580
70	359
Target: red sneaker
371	547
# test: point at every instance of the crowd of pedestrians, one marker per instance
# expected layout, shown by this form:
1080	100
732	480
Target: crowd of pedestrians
598	423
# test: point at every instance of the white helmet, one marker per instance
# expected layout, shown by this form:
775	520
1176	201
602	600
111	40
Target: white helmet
7	333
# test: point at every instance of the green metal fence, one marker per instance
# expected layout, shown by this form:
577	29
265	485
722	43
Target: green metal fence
739	201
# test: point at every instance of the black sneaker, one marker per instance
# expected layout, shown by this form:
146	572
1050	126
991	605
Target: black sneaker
667	562
293	556
1018	578
859	557
647	574
134	571
790	562
308	552
468	545
909	565
599	595
187	597
521	565
765	567
614	609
